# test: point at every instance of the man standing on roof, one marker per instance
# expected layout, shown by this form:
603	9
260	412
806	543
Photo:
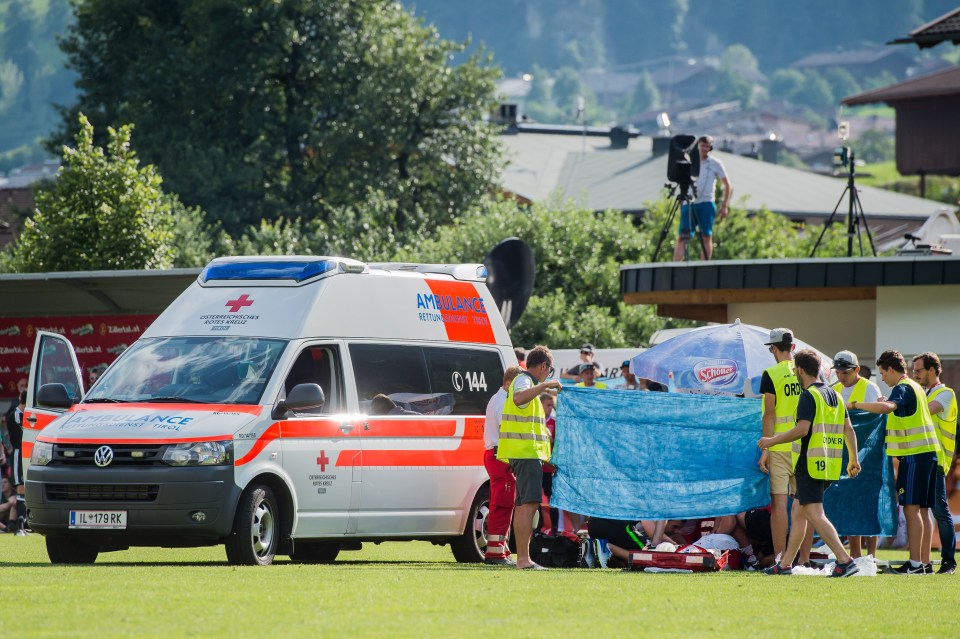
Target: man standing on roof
503	484
854	388
704	206
780	390
525	444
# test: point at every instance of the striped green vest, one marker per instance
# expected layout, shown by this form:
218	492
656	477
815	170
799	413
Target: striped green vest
825	448
946	429
915	433
523	431
784	378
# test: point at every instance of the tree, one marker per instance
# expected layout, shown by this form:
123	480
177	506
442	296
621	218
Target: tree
104	211
875	146
841	82
784	84
816	93
260	110
645	95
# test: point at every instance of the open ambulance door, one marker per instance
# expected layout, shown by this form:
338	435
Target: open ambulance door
54	362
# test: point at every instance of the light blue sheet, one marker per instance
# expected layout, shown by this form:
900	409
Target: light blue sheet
641	455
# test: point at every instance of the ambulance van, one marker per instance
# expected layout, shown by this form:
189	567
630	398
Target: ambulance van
280	406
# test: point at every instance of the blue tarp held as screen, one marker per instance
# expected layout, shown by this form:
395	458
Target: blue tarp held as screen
640	455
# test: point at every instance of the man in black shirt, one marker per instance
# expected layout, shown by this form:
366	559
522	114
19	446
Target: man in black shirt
819	420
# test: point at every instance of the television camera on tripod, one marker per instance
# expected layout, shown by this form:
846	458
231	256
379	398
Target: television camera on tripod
683	169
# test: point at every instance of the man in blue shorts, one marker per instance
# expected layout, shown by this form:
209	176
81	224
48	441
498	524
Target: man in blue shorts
704	206
911	436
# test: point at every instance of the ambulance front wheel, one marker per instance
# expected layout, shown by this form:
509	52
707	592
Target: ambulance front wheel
256	529
471	545
64	550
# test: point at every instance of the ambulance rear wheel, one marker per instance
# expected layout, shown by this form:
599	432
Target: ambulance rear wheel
256	529
315	552
63	550
470	547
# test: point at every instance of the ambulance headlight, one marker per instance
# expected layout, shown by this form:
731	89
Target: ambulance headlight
199	454
42	453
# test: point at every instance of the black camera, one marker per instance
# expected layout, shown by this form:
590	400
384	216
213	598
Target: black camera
683	161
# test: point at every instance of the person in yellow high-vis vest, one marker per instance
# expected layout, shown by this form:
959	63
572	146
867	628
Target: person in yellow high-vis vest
942	402
823	429
854	388
912	437
588	376
525	444
780	390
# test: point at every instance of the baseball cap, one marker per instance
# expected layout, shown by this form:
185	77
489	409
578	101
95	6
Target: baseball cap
780	336
587	347
587	367
845	360
626	364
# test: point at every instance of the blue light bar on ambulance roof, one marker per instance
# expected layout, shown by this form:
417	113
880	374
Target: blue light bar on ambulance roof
296	271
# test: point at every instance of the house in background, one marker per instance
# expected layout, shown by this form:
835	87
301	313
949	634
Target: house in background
928	129
16	195
604	169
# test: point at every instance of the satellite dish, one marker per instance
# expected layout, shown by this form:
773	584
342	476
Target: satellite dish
511	271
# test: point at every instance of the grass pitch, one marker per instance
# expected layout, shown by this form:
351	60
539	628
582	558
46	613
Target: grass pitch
417	590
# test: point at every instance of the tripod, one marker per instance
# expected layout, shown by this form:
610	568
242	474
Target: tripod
854	217
681	194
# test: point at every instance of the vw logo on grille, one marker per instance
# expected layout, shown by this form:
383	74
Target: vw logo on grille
103	457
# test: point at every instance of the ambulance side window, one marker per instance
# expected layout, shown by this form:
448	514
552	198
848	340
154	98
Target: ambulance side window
395	371
425	380
318	365
471	376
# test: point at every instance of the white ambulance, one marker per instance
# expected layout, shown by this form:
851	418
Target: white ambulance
290	405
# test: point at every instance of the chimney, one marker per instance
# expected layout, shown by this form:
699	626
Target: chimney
506	114
769	149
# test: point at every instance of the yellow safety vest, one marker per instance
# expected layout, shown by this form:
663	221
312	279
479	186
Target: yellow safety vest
915	433
595	385
523	431
946	429
859	392
825	448
785	382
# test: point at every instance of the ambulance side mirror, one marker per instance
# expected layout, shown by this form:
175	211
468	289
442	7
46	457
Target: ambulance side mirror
300	398
54	396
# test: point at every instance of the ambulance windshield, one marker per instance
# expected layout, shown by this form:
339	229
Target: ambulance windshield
209	370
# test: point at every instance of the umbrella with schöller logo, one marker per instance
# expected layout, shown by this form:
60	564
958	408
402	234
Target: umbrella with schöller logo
720	359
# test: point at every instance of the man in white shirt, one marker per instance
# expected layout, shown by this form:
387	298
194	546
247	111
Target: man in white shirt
502	481
853	388
704	208
942	402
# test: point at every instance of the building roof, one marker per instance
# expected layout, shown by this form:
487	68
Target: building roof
946	27
587	170
849	58
700	290
93	292
935	85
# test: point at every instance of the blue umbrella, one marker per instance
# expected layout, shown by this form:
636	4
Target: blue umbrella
722	359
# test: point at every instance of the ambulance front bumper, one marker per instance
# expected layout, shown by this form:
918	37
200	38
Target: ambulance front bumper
160	506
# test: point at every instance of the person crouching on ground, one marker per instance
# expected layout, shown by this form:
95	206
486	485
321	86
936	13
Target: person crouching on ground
525	444
823	428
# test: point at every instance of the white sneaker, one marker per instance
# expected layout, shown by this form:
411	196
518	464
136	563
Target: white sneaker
603	553
22	533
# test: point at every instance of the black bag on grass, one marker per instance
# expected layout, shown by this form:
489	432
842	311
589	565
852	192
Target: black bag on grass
555	552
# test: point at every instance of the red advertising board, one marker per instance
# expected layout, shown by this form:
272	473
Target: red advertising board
97	339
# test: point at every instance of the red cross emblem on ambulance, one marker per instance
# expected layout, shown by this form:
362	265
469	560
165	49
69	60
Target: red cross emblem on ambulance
240	302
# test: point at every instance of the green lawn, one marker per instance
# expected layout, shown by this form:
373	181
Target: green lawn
416	590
